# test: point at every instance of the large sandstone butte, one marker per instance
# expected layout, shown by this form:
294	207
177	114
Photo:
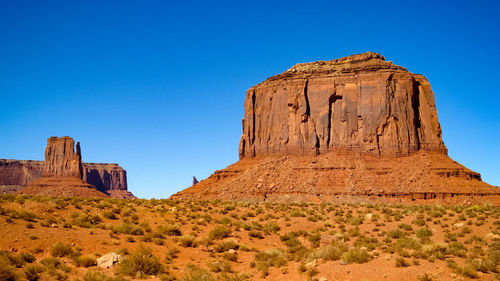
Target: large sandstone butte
63	174
353	128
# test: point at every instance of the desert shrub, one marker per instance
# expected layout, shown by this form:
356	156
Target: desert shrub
419	222
171	254
356	256
110	215
225	246
425	277
405	227
85	220
331	252
255	234
27	216
196	273
315	239
32	271
297	213
355	221
395	234
271	227
188	240
438	251
424	233
401	262
92	275
296	251
219	232
230	256
85	261
268	258
127	228
60	249
169	230
142	260
219	266
468	270
234	277
7	271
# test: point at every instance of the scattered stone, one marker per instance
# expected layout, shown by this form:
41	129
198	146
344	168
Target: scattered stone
343	262
109	260
311	264
458	224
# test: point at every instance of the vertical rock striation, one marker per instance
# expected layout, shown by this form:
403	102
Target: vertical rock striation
62	172
360	103
61	159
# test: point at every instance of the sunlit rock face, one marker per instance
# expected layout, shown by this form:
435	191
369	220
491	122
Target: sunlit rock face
359	103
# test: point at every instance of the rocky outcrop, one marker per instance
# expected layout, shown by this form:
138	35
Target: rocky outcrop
61	159
62	172
351	129
360	103
106	177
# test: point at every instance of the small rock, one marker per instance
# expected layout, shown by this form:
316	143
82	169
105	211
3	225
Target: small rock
231	251
311	264
108	260
322	279
453	275
369	216
458	224
343	262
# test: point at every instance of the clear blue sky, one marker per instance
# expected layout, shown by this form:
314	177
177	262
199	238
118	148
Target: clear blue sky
158	86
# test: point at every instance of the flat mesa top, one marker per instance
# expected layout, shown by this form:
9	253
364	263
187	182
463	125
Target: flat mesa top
364	62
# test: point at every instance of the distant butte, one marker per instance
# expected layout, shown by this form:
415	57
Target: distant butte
350	129
63	174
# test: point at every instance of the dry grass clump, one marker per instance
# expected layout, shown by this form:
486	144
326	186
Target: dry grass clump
269	258
141	262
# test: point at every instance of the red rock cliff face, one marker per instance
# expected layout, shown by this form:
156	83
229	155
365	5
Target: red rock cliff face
15	174
61	159
105	176
359	103
19	172
353	129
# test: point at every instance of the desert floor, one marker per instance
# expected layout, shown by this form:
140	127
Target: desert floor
60	239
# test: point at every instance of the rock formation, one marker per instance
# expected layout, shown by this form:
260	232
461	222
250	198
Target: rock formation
62	172
106	177
61	159
360	103
350	128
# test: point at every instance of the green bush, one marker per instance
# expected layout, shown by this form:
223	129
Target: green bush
225	246
272	257
85	220
86	261
331	252
7	271
60	249
127	228
32	271
196	273
356	256
401	262
188	240
170	230
98	276
219	232
142	260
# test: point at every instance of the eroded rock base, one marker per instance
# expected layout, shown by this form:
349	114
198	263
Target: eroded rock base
423	177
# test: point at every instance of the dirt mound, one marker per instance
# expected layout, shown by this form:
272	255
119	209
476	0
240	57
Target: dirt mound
61	187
